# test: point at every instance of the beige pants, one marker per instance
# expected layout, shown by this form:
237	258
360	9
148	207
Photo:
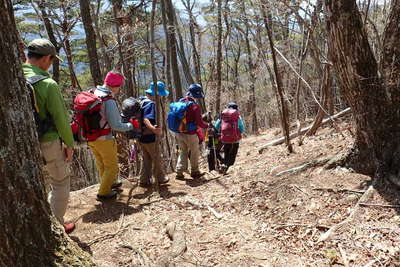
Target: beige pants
152	164
188	143
57	180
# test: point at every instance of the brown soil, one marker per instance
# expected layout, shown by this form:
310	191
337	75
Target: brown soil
256	218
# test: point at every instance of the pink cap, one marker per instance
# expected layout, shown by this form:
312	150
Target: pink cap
114	79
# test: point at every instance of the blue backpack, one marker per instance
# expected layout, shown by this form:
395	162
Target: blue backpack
177	117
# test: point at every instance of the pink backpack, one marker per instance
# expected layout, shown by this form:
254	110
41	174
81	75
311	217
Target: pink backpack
230	132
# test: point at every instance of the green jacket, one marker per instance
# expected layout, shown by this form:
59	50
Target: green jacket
51	102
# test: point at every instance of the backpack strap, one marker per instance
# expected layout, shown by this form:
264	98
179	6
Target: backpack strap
34	79
31	81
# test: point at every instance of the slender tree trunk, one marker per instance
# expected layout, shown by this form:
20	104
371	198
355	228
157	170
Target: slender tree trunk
50	33
173	52
219	57
34	237
91	42
284	111
168	53
103	46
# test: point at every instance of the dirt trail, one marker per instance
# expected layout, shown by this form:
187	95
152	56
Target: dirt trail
249	217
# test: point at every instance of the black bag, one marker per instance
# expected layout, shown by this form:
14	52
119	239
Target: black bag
131	109
42	126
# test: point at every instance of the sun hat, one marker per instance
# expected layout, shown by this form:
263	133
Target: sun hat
43	47
161	89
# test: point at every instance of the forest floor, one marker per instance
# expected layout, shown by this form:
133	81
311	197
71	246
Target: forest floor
249	217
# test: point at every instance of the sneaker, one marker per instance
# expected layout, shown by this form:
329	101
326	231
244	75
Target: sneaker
163	180
111	195
180	176
197	174
116	184
69	227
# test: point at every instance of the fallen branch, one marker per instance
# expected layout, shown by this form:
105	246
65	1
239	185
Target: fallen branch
301	132
331	232
336	190
309	164
214	212
177	248
199	204
318	226
379	205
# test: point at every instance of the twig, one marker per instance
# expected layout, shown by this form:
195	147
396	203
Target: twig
305	166
111	235
214	212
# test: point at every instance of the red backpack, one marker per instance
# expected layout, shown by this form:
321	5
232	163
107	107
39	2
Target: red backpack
230	132
87	117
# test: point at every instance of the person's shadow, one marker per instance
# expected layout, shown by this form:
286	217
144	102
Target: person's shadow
108	211
164	193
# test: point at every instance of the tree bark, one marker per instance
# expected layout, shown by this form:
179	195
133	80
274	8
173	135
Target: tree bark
173	54
219	57
91	42
284	110
30	235
373	99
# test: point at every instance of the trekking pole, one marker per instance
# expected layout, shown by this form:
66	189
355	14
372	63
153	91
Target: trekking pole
213	141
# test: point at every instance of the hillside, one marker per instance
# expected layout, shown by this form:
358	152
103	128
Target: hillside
249	217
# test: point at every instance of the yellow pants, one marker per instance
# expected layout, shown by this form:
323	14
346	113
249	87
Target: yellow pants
105	153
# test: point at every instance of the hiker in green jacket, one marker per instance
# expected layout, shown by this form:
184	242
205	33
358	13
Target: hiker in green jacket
56	142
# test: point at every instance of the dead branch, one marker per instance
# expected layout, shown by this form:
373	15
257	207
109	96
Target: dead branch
365	197
177	248
379	205
336	190
318	226
302	131
309	164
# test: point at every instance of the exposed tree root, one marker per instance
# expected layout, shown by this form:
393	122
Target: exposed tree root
177	248
305	166
334	229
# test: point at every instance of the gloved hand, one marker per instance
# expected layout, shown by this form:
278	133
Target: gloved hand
135	123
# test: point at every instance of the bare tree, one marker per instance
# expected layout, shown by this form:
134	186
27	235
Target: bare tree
91	42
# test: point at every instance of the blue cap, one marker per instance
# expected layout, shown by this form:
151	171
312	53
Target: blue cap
195	90
161	89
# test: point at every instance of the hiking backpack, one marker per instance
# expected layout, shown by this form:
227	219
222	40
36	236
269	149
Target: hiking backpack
87	117
177	117
132	109
230	132
42	126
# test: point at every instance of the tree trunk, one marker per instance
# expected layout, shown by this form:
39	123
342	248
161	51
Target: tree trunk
50	33
219	57
284	110
173	56
33	237
168	53
91	42
373	99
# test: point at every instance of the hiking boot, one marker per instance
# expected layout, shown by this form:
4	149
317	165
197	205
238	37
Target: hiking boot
197	174
180	176
116	184
163	180
69	227
111	195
